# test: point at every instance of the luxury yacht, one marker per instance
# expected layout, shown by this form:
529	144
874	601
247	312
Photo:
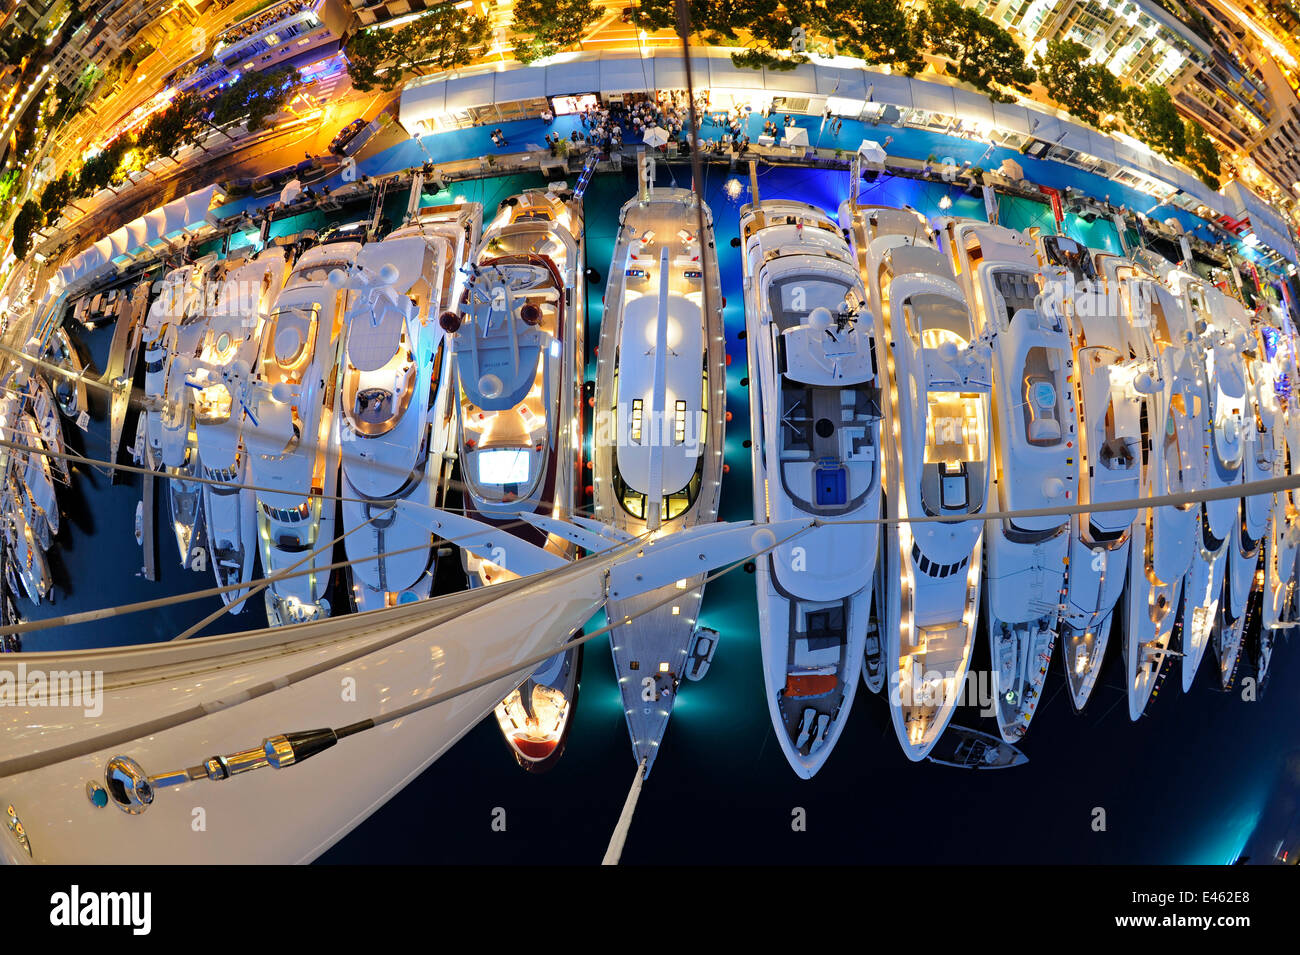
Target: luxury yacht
397	419
45	411
1034	460
32	512
120	373
25	557
70	388
1282	415
1173	421
518	359
658	437
1221	327
935	464
814	401
293	447
37	476
1262	454
221	381
1105	376
158	339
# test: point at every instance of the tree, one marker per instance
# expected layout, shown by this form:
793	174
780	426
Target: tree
1088	90
983	54
256	95
763	27
55	196
545	27
875	31
100	170
442	38
180	124
26	222
1154	119
1202	154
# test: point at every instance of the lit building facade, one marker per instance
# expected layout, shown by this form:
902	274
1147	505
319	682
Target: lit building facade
1142	43
284	32
117	26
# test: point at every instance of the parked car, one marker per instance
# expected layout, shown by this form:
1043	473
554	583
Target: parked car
339	143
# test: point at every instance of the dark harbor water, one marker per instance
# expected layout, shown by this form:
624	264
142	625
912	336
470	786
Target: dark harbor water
1185	784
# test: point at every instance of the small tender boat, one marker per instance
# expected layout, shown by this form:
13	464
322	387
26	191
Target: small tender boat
966	748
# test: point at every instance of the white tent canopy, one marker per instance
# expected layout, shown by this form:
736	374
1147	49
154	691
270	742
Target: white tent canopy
848	88
179	218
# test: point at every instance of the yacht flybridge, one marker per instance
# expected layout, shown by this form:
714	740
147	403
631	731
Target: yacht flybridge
658	437
397	417
935	381
815	408
293	448
518	339
1107	381
222	381
1034	461
1173	438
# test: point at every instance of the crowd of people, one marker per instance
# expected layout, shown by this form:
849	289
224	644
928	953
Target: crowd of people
264	19
632	118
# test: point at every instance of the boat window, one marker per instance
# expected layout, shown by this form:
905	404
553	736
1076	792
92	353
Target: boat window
503	466
1042	402
373	405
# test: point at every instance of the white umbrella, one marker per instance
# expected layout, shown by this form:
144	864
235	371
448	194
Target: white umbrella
655	136
291	191
796	136
872	151
1011	169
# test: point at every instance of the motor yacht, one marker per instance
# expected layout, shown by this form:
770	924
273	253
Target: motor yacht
1173	420
397	402
1277	364
1221	328
26	559
221	381
37	476
1034	461
1104	374
518	340
293	447
936	380
657	448
814	401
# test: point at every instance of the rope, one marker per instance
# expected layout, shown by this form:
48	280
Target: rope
619	837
